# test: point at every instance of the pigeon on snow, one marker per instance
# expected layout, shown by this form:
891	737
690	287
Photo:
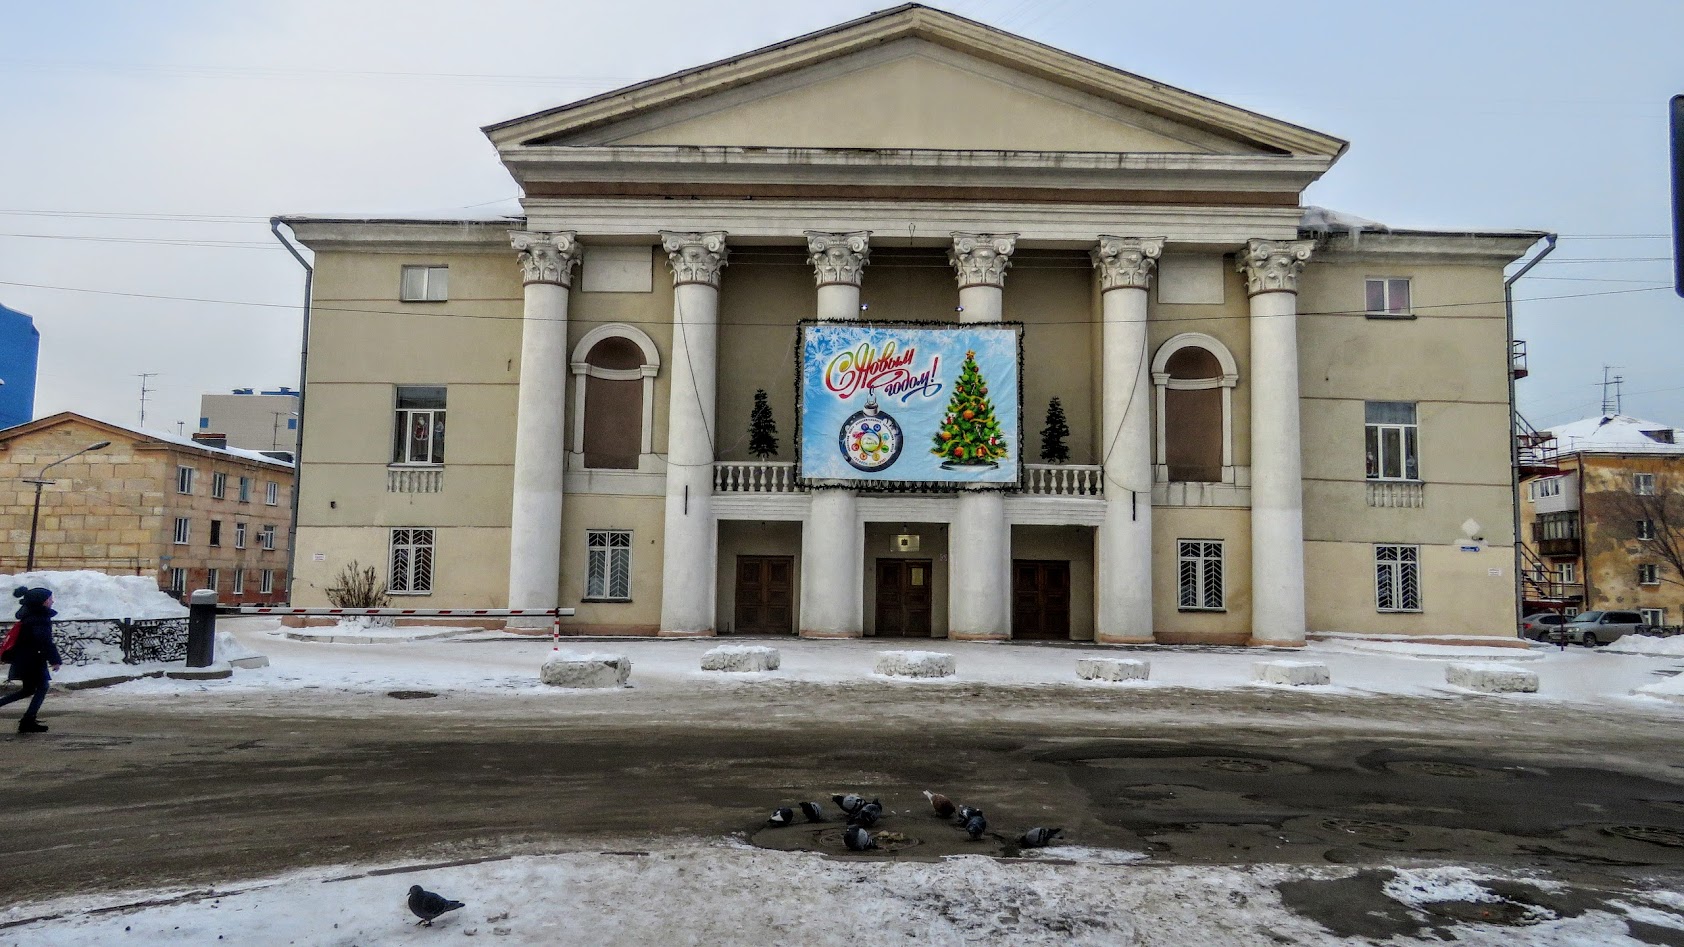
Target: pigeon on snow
857	839
965	813
782	816
849	803
976	825
867	815
426	905
942	805
812	811
1039	837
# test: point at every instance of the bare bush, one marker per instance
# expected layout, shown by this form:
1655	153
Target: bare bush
357	587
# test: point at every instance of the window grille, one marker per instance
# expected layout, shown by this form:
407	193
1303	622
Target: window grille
411	570
1397	578
608	564
1200	574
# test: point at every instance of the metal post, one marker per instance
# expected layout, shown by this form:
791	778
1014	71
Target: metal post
201	628
34	521
555	627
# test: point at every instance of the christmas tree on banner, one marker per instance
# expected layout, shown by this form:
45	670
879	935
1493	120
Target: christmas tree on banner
970	434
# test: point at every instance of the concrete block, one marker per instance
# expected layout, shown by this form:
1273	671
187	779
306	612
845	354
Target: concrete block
251	663
1296	673
915	664
215	672
572	669
1493	678
741	658
1112	669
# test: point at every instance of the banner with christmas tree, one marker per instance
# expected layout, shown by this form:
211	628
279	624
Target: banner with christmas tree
891	405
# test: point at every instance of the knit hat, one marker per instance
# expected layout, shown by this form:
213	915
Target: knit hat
29	596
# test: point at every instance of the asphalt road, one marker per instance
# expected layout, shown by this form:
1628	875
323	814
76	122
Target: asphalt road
129	793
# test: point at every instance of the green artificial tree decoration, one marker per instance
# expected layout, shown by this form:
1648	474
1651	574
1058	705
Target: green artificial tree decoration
969	434
1053	448
762	430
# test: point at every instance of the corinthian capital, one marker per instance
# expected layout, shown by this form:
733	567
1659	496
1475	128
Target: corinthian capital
1126	262
980	259
1272	266
546	257
695	257
838	257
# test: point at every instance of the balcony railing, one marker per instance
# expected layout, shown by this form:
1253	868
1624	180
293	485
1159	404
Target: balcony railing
414	479
1410	494
1558	546
754	476
1063	480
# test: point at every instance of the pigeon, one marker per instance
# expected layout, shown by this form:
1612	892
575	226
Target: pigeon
867	815
812	811
976	825
857	839
1039	837
426	905
782	816
942	805
850	803
966	812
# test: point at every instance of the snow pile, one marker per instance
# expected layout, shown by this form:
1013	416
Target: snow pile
1670	689
572	669
1492	678
736	657
915	664
1321	220
1644	644
1112	669
1294	673
230	651
84	594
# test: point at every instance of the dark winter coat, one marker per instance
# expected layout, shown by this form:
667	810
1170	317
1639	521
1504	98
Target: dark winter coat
36	648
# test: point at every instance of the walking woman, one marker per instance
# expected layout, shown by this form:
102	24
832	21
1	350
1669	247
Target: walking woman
33	652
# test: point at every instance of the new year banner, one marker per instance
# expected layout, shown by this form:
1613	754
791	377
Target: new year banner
885	404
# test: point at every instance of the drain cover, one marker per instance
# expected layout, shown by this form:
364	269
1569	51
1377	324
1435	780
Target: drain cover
411	695
887	841
1237	766
1364	829
1447	770
1653	834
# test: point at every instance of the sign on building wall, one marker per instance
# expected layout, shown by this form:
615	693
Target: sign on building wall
886	405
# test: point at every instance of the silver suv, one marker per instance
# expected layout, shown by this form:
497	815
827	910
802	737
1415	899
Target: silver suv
1597	628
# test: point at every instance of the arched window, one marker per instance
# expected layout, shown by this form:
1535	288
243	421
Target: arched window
1194	375
614	369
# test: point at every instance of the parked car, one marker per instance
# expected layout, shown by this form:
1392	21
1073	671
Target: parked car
1597	628
1538	625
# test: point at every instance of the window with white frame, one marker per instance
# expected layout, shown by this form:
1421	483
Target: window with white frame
425	284
1653	616
1645	529
219	485
267	582
1388	296
183	531
245	489
272	493
1567	573
1648	573
178	580
1200	575
608	564
239	535
1391	441
184	480
1643	484
1397	578
239	582
418	431
1547	487
411	570
213	579
266	537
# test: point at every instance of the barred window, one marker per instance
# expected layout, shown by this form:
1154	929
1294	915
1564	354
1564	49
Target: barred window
412	562
1201	574
608	564
1397	578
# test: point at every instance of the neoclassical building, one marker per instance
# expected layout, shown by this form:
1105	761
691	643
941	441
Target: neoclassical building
1280	421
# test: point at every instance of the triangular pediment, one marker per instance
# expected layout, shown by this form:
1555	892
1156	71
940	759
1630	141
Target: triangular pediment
913	78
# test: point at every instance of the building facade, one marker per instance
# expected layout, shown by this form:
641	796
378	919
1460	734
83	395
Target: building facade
253	420
20	353
1280	420
195	515
1605	522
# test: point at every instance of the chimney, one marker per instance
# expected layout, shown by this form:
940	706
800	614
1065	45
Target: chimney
218	441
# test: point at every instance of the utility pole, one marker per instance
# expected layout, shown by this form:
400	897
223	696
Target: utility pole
1612	403
144	391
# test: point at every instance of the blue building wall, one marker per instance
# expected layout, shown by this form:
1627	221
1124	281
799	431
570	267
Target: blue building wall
20	351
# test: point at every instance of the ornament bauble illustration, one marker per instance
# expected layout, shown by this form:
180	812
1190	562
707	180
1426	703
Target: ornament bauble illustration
870	439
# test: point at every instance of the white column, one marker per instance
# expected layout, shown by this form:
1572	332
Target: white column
1271	269
546	263
1123	583
979	546
689	582
833	538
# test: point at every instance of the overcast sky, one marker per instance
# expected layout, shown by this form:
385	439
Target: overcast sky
163	135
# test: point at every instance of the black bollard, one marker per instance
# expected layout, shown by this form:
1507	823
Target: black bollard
201	628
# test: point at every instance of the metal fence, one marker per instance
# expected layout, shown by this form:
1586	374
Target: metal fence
129	640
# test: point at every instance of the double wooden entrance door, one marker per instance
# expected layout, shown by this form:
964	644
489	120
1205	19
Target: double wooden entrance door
1041	599
765	595
904	597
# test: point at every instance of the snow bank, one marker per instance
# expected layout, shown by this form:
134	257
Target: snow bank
84	594
915	664
1492	678
572	669
1112	669
1644	644
1295	673
1671	689
737	657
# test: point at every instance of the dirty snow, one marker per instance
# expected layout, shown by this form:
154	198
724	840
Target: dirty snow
84	594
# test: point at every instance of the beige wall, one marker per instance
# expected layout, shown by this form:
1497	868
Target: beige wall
252	422
1459	596
1233	528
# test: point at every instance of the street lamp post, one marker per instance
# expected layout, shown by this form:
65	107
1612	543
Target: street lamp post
40	481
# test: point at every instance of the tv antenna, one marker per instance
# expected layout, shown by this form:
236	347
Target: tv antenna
144	391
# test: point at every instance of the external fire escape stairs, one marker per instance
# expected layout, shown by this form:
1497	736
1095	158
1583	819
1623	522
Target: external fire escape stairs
1532	453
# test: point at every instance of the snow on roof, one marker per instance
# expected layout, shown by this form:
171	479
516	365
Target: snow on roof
185	441
1616	434
502	211
1322	220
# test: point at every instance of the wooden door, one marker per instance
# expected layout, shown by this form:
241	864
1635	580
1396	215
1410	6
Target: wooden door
1041	599
904	598
765	595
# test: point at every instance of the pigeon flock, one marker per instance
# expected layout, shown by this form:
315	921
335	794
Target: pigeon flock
862	814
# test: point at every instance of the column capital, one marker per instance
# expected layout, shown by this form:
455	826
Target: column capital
1272	266
838	258
1126	262
546	257
980	259
695	257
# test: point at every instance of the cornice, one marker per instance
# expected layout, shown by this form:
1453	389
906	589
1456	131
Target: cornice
403	236
1421	246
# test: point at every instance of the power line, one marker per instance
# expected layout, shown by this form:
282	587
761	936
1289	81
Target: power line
158	241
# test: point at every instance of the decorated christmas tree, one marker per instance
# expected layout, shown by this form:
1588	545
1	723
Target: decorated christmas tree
762	430
969	434
1053	448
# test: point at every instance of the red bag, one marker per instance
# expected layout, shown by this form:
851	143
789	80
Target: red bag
10	643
